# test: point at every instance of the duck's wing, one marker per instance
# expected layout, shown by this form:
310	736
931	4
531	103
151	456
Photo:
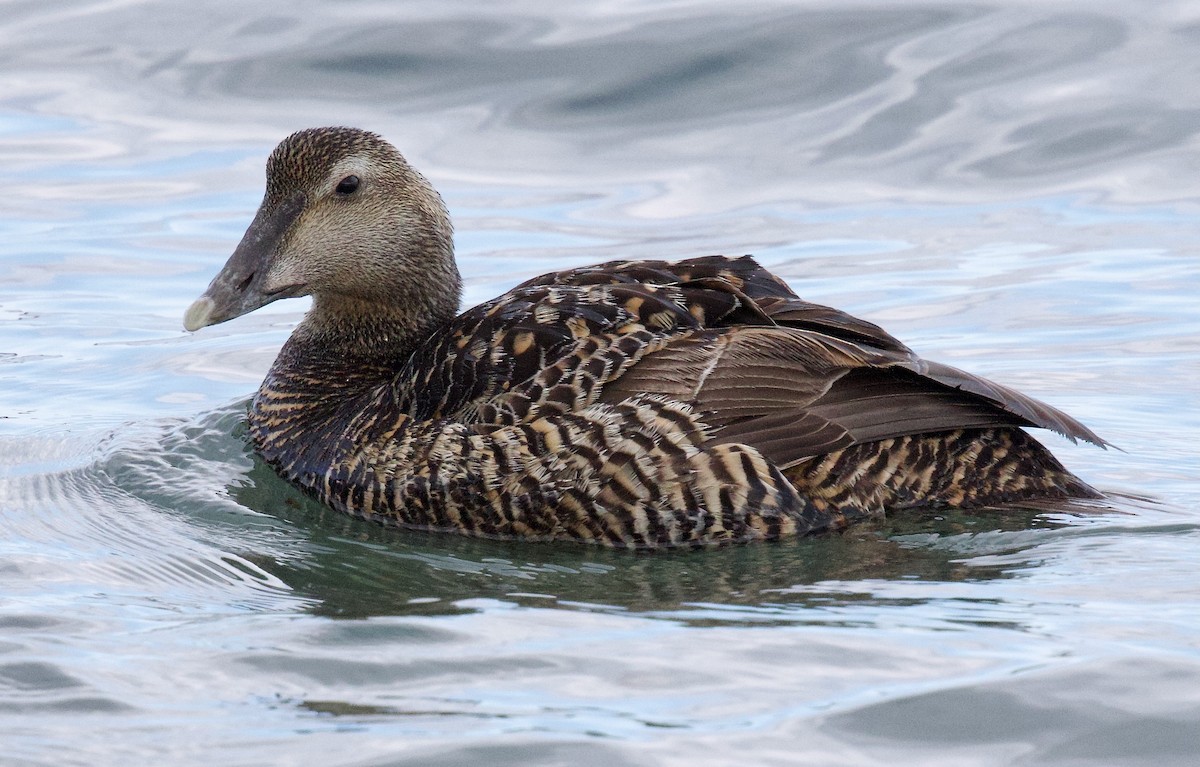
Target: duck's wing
903	381
794	394
760	365
807	379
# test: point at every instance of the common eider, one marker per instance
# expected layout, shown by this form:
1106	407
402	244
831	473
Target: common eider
639	404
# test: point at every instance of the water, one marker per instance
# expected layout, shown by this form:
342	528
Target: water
1012	188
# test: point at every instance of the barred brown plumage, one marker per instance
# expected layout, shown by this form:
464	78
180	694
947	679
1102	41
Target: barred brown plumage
633	403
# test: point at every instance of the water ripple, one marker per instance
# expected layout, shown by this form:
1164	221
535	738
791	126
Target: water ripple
111	523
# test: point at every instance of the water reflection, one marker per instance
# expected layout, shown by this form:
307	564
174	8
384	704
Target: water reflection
938	99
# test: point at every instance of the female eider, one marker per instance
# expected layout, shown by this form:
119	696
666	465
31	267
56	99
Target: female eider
634	403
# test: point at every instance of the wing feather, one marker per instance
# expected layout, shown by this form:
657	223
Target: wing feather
762	366
794	394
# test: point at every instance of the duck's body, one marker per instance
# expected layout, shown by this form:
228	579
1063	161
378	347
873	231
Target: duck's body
639	404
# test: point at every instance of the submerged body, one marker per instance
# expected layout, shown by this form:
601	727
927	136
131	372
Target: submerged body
639	404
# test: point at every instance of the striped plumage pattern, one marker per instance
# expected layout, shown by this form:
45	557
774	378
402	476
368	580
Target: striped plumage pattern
648	404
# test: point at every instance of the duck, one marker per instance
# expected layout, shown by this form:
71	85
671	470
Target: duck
635	404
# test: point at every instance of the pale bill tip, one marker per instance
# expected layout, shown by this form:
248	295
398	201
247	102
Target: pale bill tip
198	314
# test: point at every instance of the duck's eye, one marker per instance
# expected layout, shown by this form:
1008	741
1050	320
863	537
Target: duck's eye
348	185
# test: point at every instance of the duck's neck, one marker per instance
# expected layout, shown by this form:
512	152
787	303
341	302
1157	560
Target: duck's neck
366	334
340	360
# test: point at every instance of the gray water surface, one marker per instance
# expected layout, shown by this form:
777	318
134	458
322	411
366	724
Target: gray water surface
1012	188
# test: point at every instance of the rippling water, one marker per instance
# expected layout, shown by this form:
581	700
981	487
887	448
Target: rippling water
1011	187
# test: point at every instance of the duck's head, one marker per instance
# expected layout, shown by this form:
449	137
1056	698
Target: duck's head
348	221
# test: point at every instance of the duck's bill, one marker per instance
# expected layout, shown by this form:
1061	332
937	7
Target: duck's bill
241	286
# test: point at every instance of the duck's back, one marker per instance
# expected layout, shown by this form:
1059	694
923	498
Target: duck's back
649	404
